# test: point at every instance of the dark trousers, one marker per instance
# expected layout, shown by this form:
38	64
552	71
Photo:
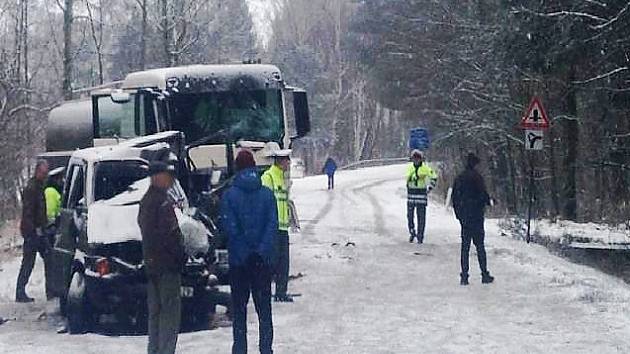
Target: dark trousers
252	278
164	303
331	181
473	231
281	268
420	211
32	245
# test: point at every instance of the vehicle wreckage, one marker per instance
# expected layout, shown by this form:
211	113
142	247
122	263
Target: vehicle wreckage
195	116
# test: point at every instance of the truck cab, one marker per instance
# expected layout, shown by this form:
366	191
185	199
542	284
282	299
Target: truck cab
218	108
214	106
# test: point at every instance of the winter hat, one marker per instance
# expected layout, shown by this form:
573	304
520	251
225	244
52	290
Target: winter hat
472	160
157	167
244	160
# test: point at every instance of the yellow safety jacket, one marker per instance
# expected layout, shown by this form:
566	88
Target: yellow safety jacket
273	179
419	180
53	203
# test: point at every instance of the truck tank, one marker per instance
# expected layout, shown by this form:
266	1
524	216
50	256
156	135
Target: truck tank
70	126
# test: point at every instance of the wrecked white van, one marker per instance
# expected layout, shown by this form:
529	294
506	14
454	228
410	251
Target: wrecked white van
98	249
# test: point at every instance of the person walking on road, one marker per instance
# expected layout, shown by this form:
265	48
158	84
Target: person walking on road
163	259
32	227
274	179
421	179
249	219
330	167
470	199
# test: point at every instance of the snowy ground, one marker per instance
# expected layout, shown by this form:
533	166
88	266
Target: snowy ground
385	295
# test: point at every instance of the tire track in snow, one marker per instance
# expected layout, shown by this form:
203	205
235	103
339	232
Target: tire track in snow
321	214
379	221
348	200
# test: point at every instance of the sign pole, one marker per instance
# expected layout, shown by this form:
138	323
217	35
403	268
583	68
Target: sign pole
534	121
530	200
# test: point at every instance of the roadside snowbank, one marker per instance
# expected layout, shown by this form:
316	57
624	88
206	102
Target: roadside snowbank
566	232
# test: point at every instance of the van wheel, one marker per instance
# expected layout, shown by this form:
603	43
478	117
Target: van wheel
76	305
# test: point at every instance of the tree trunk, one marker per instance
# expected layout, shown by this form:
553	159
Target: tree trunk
143	35
166	38
68	17
554	174
571	138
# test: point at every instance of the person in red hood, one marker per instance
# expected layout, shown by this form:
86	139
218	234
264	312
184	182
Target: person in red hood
249	219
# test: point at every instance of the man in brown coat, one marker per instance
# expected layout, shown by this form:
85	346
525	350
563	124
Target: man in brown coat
163	259
32	225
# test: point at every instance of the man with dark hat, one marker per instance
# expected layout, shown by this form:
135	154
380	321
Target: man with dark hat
163	259
249	219
33	226
470	199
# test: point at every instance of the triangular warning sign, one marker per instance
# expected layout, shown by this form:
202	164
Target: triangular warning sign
536	117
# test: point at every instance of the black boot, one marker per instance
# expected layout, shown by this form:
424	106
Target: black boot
463	279
20	296
486	278
412	236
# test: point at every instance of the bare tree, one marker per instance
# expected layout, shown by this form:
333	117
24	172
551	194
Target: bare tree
68	18
96	29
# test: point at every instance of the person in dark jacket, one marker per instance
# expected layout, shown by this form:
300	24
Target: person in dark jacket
163	254
330	167
32	227
250	221
470	199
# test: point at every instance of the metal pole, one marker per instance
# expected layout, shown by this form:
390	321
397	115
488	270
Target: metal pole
531	197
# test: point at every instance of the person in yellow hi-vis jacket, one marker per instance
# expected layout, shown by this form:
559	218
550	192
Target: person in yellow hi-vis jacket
275	179
421	179
52	194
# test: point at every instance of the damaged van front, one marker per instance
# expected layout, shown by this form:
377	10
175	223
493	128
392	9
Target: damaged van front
98	254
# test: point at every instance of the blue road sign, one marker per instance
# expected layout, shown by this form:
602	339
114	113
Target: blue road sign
419	139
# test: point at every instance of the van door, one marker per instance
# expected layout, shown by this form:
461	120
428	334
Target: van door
72	223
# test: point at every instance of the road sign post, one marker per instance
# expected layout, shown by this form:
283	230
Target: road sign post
533	122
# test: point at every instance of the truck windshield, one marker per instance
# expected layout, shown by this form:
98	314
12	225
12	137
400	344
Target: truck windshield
248	115
116	177
115	119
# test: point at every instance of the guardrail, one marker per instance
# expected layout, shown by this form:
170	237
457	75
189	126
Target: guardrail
374	162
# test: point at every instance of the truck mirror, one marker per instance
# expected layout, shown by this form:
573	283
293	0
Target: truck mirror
120	97
302	117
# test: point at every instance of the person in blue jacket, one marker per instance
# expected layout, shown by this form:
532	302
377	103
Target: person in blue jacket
330	167
249	220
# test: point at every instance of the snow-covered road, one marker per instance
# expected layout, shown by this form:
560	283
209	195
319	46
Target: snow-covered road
365	289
